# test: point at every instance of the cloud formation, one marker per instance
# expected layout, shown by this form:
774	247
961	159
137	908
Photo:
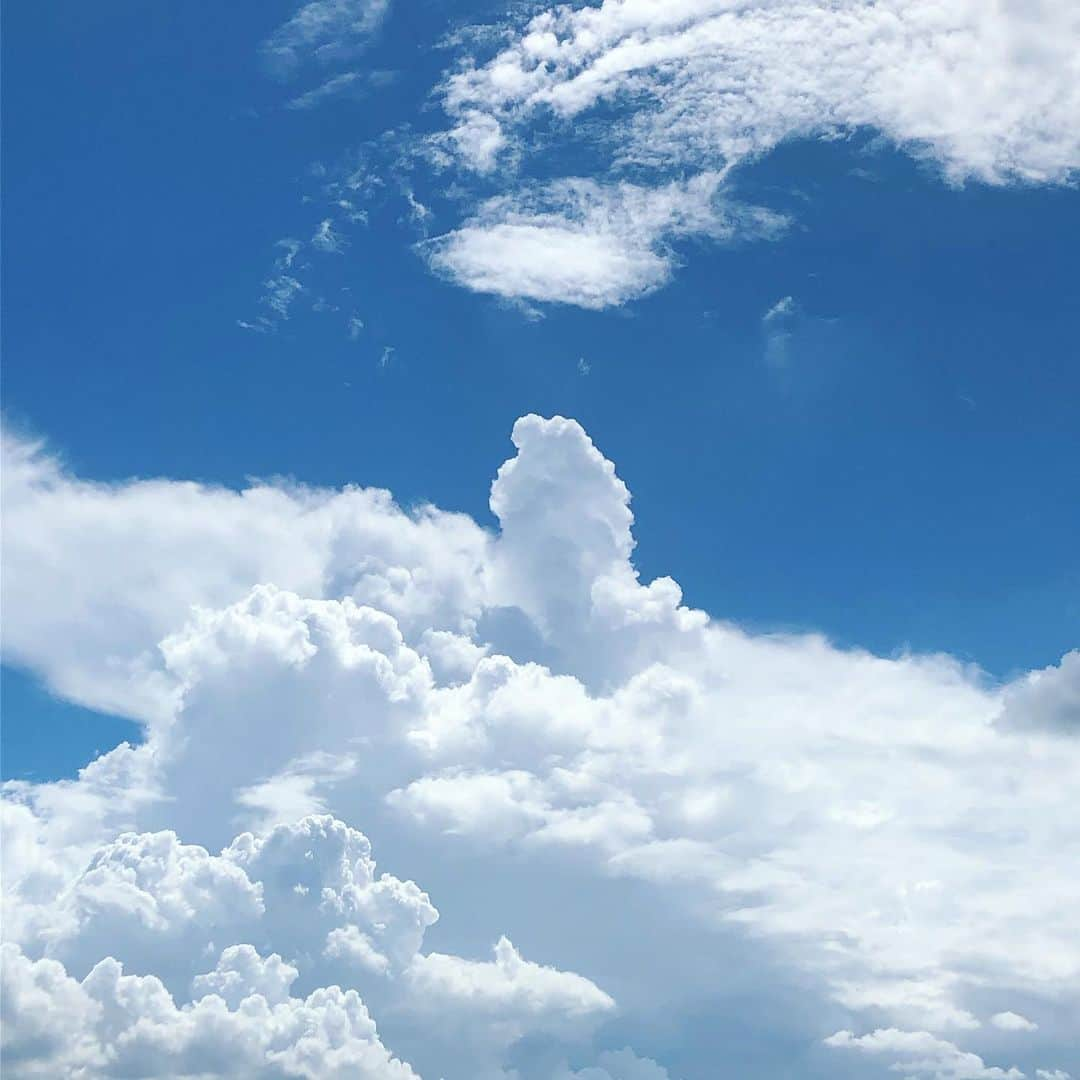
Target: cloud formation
519	703
652	92
323	31
589	244
706	83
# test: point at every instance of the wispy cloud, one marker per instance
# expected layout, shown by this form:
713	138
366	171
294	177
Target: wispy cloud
350	84
323	31
326	237
707	83
777	324
589	244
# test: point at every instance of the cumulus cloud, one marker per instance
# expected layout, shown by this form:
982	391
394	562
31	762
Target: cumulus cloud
160	548
590	244
147	902
1010	1021
512	997
519	715
1047	700
113	1025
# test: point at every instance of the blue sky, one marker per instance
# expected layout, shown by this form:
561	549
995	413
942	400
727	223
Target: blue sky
842	384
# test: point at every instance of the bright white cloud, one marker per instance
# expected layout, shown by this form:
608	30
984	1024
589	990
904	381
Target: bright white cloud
519	703
663	89
589	244
987	91
146	902
158	548
1010	1021
116	1025
510	996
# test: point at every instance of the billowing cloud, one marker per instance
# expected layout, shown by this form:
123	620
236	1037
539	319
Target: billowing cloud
113	1025
517	716
146	902
158	548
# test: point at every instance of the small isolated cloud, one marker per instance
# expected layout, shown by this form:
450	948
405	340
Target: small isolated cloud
280	289
323	31
350	84
984	92
350	81
419	214
589	244
777	324
782	309
1010	1021
326	237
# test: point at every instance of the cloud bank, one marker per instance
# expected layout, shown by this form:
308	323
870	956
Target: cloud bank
518	717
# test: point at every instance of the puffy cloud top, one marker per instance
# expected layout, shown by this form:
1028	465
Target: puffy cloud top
523	719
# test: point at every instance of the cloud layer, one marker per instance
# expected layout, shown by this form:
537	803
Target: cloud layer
311	663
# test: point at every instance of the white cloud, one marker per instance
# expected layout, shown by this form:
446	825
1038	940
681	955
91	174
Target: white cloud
920	1053
777	324
241	972
349	84
518	714
478	138
115	1025
989	92
510	996
665	89
589	244
1010	1021
307	890
1047	700
323	31
327	238
97	574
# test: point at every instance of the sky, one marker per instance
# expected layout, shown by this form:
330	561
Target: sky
613	465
